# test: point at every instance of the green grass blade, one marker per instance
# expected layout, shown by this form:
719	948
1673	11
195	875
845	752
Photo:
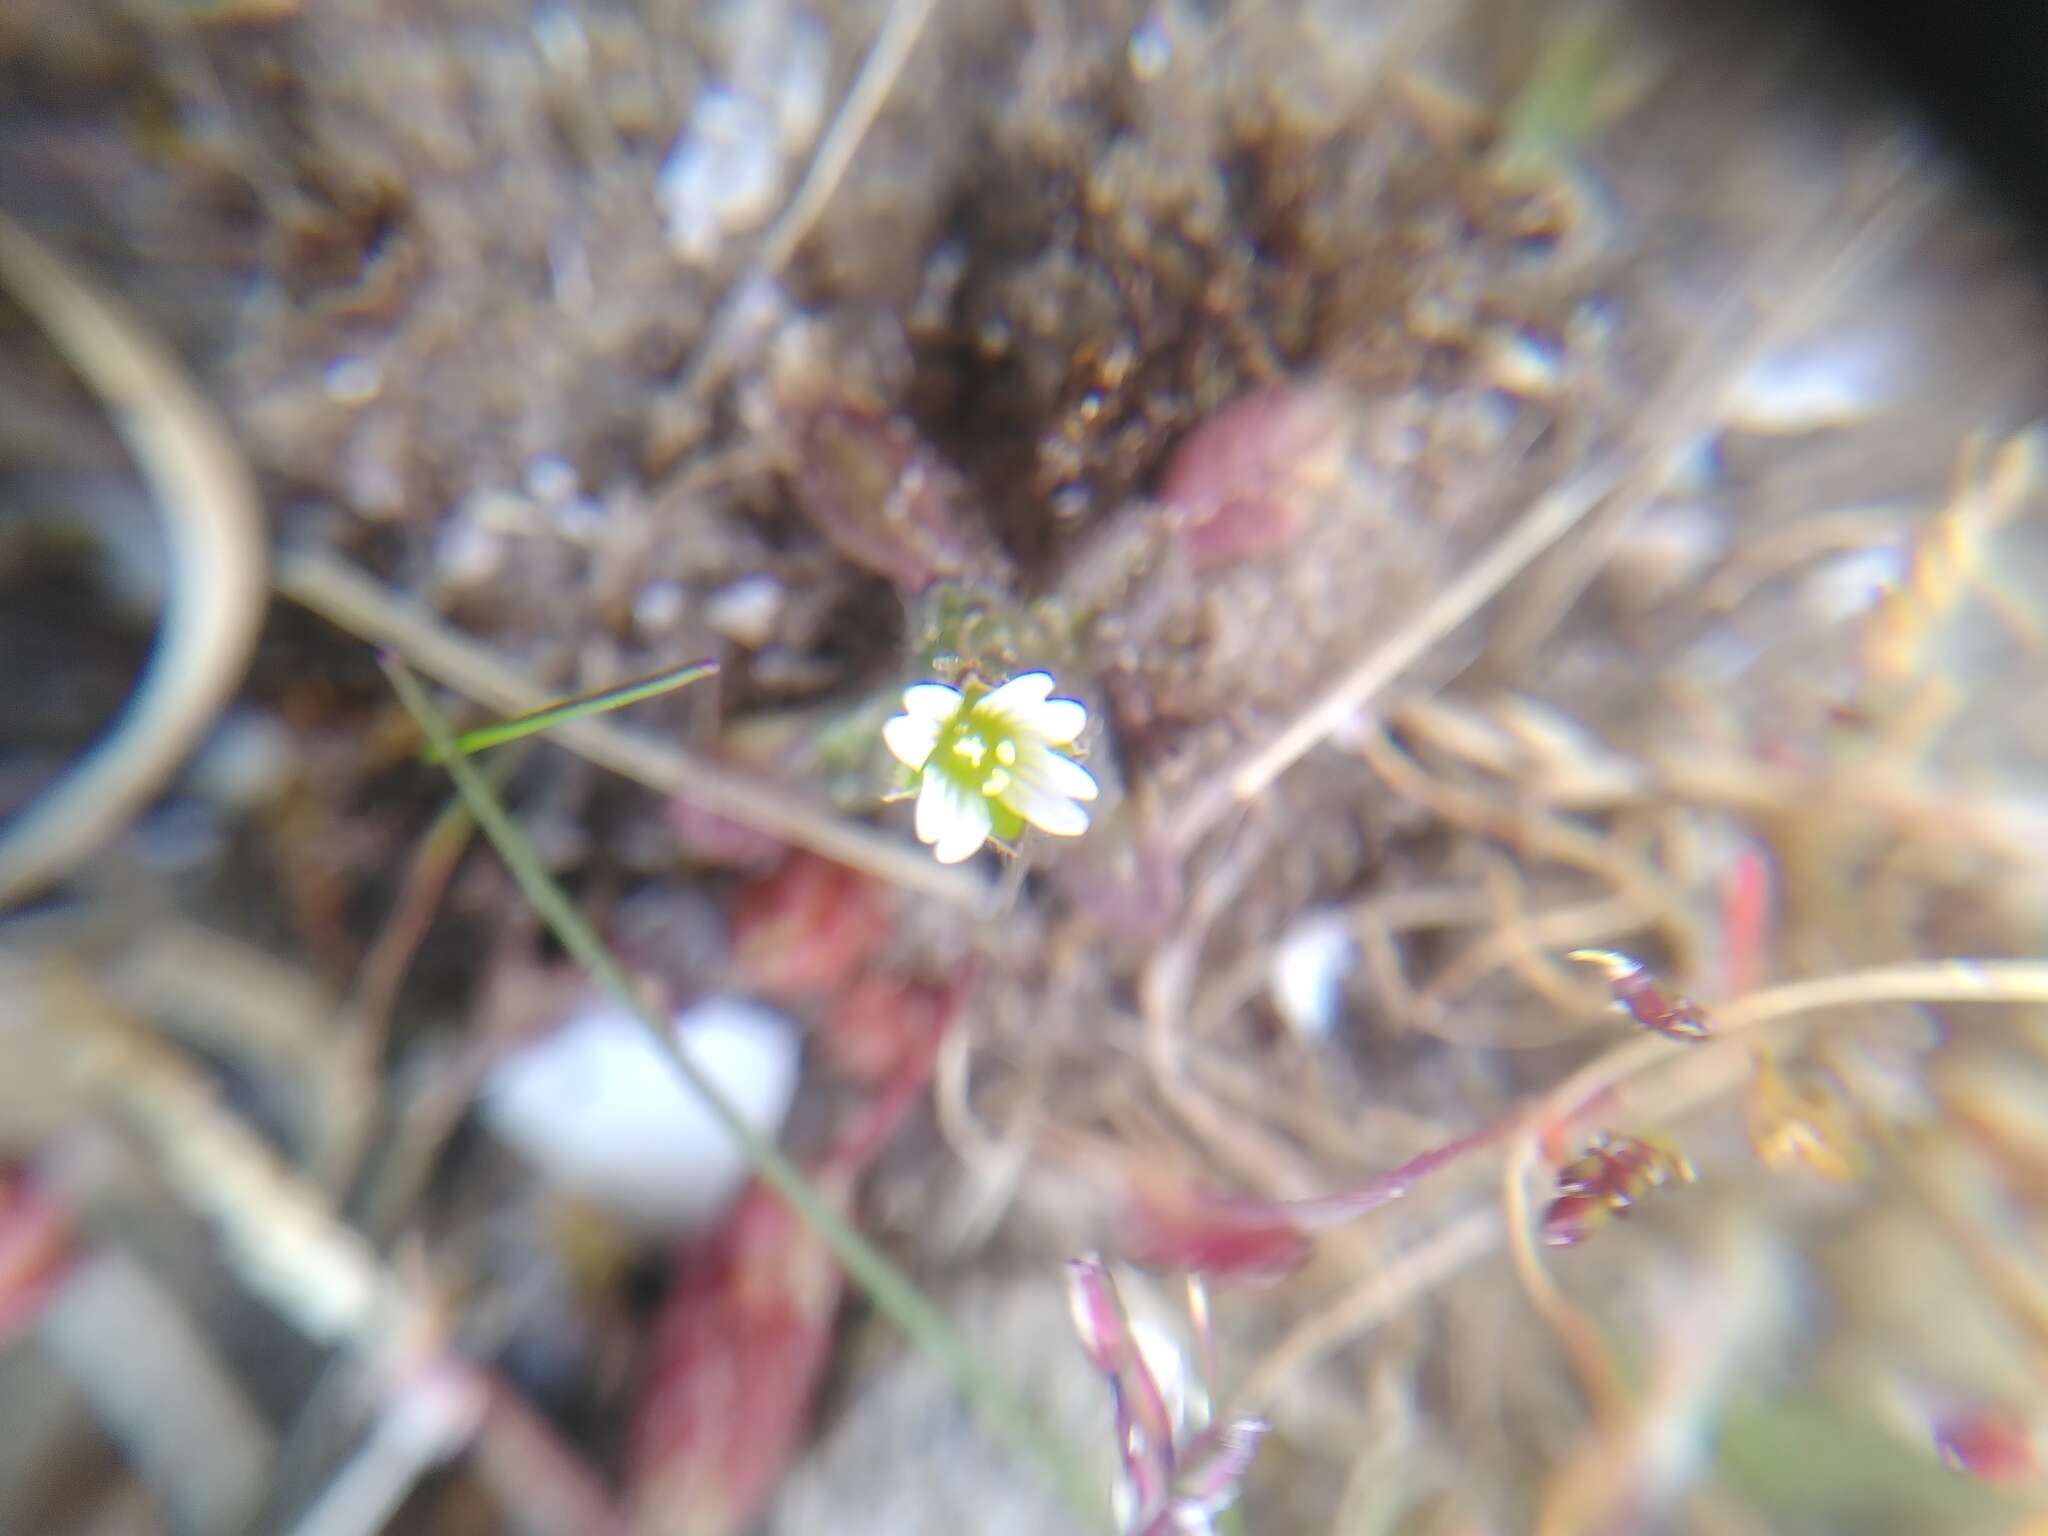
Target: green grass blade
570	709
893	1293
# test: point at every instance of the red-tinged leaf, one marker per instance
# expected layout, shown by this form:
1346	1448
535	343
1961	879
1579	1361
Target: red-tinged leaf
807	928
1228	1238
1098	1315
1246	480
1212	1470
1144	1427
35	1249
1218	1240
743	1341
1989	1444
1637	994
1384	1188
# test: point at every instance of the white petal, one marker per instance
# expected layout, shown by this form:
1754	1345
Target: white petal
1045	810
932	701
1059	721
966	831
953	821
1055	774
911	739
934	807
1019	698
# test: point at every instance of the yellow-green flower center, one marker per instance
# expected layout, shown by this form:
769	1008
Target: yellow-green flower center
977	753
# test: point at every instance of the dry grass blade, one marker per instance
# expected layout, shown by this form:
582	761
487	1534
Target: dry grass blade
214	589
1385	1291
900	32
276	1230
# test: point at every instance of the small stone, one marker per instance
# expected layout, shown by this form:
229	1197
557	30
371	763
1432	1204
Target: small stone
559	35
580	520
746	611
1523	364
551	479
658	607
723	175
1848	586
1150	51
1800	391
244	762
1669	550
602	1112
467	554
353	380
1306	977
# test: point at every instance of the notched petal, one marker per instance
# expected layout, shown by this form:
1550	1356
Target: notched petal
1019	699
1049	812
1056	774
910	739
932	701
966	829
1059	721
934	806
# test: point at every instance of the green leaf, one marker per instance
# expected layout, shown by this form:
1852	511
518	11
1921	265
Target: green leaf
551	715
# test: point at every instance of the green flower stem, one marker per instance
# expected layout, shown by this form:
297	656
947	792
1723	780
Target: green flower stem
893	1293
502	731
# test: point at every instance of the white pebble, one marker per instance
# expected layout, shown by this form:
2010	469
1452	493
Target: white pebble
1809	390
786	60
353	380
1669	549
722	176
559	35
746	610
1150	51
466	553
245	761
550	478
504	512
658	606
727	168
580	519
1847	586
603	1114
1524	364
1306	978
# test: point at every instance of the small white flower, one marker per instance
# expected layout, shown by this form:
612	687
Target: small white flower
985	765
